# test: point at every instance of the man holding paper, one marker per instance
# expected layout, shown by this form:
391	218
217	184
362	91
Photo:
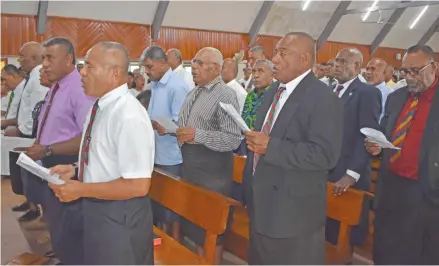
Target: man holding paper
168	92
407	192
207	133
296	141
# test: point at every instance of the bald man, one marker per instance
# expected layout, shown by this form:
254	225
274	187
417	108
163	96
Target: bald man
362	108
115	165
376	76
229	73
289	159
207	134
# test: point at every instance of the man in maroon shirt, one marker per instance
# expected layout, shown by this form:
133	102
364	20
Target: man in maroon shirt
407	193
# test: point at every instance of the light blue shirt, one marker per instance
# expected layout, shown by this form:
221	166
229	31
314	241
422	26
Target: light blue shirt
385	91
167	97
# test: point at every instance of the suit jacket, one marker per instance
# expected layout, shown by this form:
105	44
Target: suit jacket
362	105
286	195
428	172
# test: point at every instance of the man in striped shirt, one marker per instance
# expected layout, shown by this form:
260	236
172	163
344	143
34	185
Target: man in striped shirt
207	134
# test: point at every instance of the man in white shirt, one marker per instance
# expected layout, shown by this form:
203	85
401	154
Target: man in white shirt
175	61
14	83
329	79
228	73
33	92
115	165
255	53
375	76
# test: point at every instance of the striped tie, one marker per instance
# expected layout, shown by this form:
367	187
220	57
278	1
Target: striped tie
86	142
401	130
11	97
268	124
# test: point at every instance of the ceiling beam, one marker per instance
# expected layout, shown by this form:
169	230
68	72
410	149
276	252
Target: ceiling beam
391	7
430	32
42	16
259	20
158	18
333	21
386	29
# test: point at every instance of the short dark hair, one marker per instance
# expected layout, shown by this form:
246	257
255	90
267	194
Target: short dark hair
425	49
11	69
130	74
144	96
154	52
64	42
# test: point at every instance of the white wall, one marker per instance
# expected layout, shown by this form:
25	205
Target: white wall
13	60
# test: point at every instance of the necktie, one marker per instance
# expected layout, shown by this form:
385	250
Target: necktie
11	96
46	113
85	146
401	130
268	124
338	89
250	84
22	92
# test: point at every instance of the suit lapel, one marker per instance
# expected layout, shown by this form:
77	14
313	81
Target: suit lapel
432	125
290	107
349	93
265	106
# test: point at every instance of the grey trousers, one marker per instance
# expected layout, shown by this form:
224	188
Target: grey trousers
118	232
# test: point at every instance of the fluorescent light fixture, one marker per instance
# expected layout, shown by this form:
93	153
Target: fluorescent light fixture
368	12
418	17
306	4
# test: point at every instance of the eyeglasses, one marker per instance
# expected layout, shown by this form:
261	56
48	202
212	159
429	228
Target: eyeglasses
415	70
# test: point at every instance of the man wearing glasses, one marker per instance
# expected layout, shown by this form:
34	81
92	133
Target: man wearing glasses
407	193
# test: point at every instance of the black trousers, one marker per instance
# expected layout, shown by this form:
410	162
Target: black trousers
305	249
406	225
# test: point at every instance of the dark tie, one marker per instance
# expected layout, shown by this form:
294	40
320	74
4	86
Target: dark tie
22	91
339	89
85	146
46	113
269	123
11	97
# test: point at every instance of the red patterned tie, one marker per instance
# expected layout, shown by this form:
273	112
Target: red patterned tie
268	124
85	146
339	89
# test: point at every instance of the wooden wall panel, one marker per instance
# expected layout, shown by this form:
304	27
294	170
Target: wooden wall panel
84	33
190	41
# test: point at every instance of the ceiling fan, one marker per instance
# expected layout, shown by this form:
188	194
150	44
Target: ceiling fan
380	20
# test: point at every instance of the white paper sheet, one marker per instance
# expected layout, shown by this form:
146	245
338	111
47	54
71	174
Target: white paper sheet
235	115
30	165
378	137
167	123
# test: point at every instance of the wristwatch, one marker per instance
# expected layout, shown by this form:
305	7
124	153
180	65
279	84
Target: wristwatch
48	151
76	167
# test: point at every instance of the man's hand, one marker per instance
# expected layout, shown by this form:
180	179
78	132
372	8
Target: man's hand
65	172
36	152
257	141
372	147
185	134
12	131
69	191
343	184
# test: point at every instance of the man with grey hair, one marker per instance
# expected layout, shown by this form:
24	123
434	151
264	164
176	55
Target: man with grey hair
254	53
175	61
228	73
168	92
207	134
362	105
115	166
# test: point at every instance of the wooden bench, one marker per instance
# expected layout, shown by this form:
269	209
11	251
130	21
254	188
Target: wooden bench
207	209
345	208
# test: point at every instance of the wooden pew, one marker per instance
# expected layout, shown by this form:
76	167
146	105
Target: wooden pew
205	208
345	208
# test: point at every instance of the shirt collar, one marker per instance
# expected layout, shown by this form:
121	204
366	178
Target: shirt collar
178	68
431	90
35	71
65	80
293	84
112	95
20	85
164	79
231	82
348	83
212	83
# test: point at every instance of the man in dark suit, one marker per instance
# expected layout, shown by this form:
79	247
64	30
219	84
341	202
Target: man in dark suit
295	143
407	193
362	105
